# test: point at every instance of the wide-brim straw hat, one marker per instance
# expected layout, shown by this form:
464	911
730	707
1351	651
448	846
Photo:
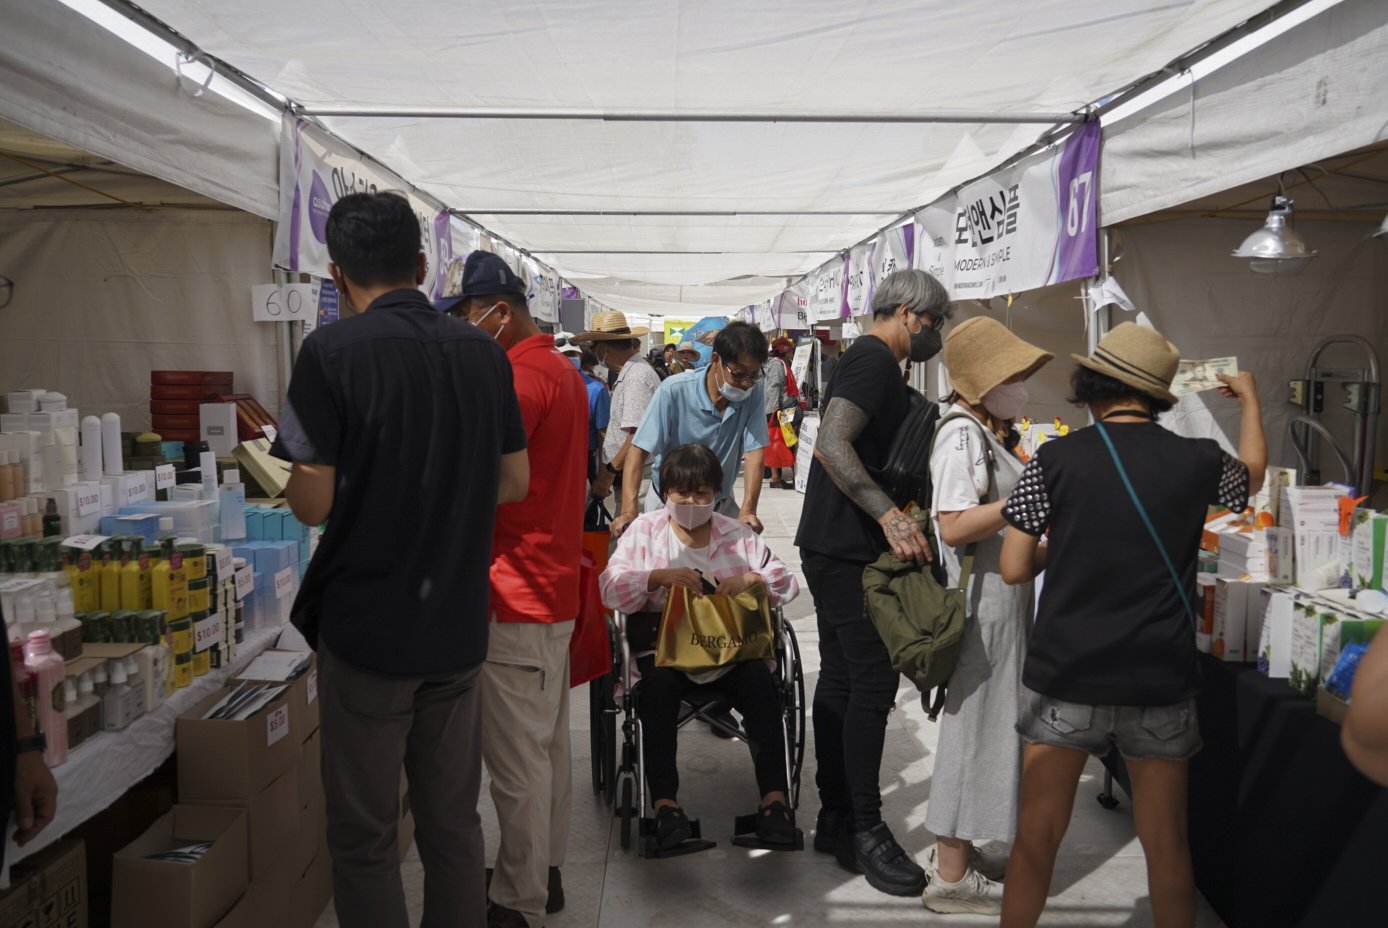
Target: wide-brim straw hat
981	353
1138	356
610	325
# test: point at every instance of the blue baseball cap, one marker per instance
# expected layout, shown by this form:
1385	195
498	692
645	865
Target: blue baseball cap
483	274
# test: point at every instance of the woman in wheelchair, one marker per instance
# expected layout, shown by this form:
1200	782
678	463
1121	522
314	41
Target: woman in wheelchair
684	545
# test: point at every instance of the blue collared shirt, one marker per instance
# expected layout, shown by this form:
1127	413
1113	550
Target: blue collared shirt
682	413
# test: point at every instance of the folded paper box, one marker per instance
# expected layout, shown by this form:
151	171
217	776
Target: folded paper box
231	759
174	894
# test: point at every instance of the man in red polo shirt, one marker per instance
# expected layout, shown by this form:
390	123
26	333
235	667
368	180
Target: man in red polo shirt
535	555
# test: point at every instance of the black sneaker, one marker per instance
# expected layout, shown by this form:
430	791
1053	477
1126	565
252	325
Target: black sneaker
886	864
726	717
829	829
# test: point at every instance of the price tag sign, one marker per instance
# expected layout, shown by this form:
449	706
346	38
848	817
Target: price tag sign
88	501
164	477
312	686
208	632
20	584
284	582
224	562
245	583
270	433
276	725
84	542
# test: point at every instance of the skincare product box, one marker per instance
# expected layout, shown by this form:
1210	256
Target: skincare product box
1368	536
1275	638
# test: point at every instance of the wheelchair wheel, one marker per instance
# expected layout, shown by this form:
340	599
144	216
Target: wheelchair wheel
602	737
627	811
595	738
795	711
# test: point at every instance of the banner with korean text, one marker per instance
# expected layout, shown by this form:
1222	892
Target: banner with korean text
1030	226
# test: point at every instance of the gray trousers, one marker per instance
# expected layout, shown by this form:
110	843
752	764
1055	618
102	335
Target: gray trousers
372	725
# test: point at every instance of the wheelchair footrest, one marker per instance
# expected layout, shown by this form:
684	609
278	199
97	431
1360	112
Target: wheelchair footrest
691	845
745	835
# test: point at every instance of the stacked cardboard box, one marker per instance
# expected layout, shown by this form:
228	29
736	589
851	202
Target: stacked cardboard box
49	888
175	398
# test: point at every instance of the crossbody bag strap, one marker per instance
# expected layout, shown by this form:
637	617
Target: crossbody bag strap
1147	521
966	565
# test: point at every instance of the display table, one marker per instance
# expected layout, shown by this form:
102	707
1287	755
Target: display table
103	768
1283	831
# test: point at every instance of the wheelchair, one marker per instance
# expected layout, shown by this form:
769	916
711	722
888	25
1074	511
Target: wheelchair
618	766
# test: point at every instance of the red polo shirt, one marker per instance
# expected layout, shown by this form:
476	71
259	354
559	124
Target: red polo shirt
538	541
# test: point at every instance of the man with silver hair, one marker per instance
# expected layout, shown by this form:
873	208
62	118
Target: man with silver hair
854	522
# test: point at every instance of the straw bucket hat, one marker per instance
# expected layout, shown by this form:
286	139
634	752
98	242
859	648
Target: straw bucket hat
1139	357
981	353
610	325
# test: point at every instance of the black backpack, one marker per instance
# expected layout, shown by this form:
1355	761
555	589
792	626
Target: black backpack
905	475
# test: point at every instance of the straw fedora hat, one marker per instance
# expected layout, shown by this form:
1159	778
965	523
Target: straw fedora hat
610	325
1139	357
981	353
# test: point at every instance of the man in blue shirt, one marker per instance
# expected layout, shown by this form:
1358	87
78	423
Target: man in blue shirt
719	406
599	403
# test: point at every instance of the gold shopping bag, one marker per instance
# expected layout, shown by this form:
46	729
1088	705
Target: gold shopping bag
707	632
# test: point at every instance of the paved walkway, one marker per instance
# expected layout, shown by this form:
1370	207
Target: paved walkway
1100	879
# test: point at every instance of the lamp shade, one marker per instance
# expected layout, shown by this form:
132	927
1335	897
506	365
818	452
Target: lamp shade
1276	248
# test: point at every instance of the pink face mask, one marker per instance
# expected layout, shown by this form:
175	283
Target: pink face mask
689	516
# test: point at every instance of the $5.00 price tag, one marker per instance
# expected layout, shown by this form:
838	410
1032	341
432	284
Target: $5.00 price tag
224	560
245	583
276	725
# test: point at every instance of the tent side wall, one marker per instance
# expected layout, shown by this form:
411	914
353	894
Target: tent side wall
1313	92
101	298
70	79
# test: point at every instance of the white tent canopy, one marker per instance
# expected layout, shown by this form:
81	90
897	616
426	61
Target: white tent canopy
673	65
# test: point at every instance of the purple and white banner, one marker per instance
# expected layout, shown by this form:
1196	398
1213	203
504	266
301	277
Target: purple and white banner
316	170
857	295
541	289
826	300
1030	226
891	251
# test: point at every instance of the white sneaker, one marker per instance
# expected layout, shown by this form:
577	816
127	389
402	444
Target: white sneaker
974	894
992	866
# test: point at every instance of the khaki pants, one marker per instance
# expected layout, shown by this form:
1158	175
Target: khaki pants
525	745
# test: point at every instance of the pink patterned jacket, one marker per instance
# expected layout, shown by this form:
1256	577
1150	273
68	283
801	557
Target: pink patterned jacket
733	549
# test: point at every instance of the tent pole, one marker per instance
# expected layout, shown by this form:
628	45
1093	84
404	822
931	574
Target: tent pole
1009	119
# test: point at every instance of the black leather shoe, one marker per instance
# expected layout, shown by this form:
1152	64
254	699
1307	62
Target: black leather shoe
886	864
830	828
555	902
498	916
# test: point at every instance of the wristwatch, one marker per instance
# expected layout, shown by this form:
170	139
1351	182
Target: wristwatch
34	742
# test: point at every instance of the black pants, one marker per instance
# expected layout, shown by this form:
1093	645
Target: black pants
856	689
751	688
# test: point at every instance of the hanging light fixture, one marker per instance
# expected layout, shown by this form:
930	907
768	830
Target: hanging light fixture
1276	248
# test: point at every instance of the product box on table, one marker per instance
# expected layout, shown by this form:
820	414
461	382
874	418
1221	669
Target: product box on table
1232	600
272	818
303	690
225	759
1329	706
1369	535
1275	640
174	894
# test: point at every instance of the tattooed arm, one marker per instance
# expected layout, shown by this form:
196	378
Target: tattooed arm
843	423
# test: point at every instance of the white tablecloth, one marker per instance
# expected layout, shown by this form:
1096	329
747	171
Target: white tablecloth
103	768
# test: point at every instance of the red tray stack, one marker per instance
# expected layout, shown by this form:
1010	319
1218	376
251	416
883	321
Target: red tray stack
174	398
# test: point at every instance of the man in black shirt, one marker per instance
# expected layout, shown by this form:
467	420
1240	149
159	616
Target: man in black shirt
405	433
848	521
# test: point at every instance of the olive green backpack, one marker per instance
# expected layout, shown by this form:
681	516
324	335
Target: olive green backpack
920	620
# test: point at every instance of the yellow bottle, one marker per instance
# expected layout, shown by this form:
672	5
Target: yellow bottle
160	586
108	575
82	579
130	589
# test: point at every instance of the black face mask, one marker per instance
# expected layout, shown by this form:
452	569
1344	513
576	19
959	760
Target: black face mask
925	344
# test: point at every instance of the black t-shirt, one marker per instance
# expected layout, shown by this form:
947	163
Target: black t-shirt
1111	628
869	377
414	409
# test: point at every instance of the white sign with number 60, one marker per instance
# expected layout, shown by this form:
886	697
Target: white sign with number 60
284	303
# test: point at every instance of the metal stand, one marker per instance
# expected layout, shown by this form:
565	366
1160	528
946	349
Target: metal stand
1362	388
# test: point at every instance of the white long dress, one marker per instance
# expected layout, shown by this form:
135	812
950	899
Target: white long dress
977	776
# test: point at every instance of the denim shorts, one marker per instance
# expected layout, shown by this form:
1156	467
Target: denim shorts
1167	732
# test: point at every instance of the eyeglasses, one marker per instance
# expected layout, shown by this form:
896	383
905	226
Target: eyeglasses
930	321
737	376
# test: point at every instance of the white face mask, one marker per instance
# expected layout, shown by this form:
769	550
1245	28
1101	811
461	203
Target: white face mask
731	393
689	516
1006	400
601	372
